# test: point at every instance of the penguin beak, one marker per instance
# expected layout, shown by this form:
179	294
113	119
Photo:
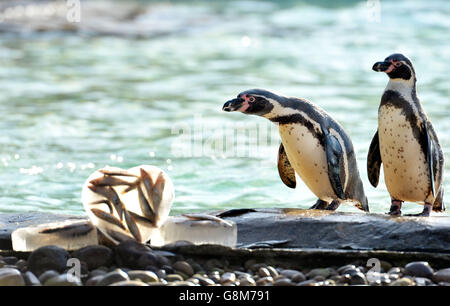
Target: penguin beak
233	105
381	66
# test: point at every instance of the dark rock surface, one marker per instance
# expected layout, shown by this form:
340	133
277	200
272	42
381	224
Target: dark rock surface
320	229
297	229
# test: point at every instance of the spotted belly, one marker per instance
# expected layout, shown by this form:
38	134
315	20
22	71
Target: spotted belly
308	158
405	168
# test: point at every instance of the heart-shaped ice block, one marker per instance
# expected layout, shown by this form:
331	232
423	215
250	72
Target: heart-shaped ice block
126	204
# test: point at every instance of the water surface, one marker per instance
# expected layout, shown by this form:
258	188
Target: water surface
76	101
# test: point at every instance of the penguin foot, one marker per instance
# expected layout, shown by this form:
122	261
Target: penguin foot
319	205
333	205
425	213
396	208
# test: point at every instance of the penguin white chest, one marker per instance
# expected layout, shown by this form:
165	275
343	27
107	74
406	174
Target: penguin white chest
307	157
404	164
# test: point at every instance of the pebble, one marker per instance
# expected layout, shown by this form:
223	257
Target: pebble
48	258
115	276
97	272
228	278
247	281
419	269
308	283
95	256
215	276
31	279
63	280
11	277
273	272
358	279
264	281
143	276
128	283
184	267
47	275
263	272
174	277
283	282
343	269
294	275
442	276
135	255
404	281
395	270
93	281
422	281
324	272
204	281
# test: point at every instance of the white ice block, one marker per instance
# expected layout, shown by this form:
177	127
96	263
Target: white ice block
114	225
70	235
196	231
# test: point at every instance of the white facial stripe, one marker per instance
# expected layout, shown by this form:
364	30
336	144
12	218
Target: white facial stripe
341	142
279	110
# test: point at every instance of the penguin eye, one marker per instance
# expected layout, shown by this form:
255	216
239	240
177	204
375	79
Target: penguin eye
251	99
397	64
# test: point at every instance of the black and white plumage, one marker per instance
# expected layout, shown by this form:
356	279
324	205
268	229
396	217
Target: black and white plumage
405	142
313	145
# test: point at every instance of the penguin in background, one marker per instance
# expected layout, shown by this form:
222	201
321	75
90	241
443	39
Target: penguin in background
313	145
405	142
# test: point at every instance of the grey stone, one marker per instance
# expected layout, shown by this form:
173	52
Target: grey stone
228	278
404	281
324	272
422	281
308	283
184	267
31	279
63	280
174	277
264	281
294	275
115	276
358	279
263	272
95	256
47	275
48	258
135	255
143	276
442	276
94	280
283	282
419	269
11	277
129	283
247	281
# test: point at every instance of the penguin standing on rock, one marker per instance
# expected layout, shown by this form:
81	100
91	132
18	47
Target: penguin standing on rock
405	142
313	145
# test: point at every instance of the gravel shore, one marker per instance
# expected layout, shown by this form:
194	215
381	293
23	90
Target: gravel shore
133	264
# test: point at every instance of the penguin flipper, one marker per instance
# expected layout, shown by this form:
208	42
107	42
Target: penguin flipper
429	155
334	154
374	161
285	170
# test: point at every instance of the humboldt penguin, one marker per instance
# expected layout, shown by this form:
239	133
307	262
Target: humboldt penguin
313	145
405	142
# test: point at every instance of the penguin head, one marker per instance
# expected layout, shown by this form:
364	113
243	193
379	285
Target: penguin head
396	66
251	102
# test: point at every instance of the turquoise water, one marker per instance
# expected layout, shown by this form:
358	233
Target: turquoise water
73	102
